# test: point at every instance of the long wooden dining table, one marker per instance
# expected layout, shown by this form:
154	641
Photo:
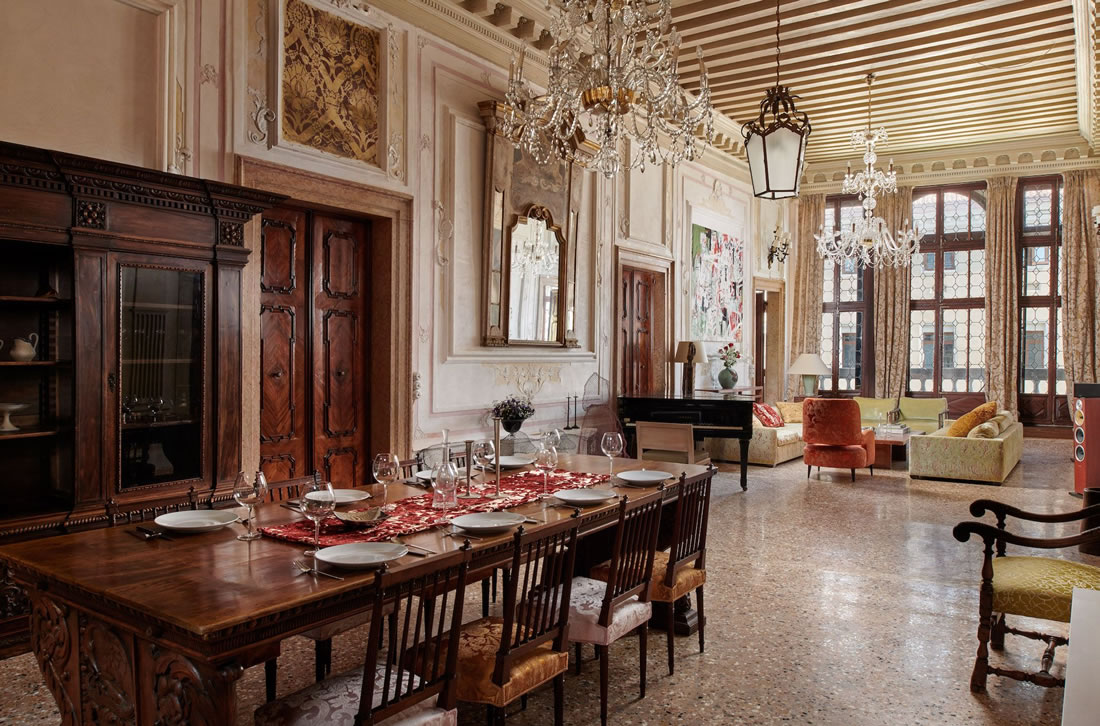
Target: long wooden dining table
159	631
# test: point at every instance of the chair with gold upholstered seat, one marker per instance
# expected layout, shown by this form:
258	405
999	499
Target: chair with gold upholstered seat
1030	586
501	659
674	442
679	571
408	677
601	612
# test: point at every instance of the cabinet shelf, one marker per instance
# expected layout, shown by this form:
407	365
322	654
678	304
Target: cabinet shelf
159	360
34	300
34	363
157	306
32	433
133	425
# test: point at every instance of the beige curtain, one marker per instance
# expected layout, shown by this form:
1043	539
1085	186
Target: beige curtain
890	308
1002	306
1080	276
806	282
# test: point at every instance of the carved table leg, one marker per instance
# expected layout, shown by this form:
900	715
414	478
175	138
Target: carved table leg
176	690
744	464
54	642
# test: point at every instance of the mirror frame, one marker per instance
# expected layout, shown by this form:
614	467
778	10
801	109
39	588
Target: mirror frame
501	214
536	213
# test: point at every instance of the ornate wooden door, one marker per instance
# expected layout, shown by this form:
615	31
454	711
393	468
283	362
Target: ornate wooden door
313	350
284	342
339	346
636	305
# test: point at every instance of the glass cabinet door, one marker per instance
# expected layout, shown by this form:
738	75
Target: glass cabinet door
161	336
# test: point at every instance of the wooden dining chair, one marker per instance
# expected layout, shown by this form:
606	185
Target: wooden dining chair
679	571
410	667
502	659
674	442
602	611
116	515
321	636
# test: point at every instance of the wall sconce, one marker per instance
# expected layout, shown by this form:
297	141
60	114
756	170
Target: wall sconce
780	248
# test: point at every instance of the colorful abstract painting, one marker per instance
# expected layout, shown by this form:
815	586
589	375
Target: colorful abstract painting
718	285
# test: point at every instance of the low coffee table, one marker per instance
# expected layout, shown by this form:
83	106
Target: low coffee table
893	447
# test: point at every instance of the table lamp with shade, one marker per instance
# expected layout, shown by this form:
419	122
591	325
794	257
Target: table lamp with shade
689	352
809	366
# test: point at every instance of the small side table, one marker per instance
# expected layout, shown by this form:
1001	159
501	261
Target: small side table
891	448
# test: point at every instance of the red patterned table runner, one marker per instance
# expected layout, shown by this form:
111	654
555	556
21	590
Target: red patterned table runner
415	514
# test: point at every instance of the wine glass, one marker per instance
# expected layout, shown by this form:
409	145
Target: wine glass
318	501
485	455
249	490
612	445
546	459
387	470
551	439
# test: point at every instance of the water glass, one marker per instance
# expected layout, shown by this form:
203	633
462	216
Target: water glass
551	439
546	459
445	486
249	490
318	502
612	445
387	470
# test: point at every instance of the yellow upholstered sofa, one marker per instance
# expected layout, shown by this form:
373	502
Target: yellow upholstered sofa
769	446
922	414
968	459
875	411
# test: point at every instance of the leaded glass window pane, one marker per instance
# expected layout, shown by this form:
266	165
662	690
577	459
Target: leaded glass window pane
924	214
1036	337
1037	210
851	350
923	277
922	349
956	213
828	290
1037	271
827	338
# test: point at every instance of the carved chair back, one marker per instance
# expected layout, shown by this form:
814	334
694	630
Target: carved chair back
632	553
689	529
423	605
430	457
289	488
536	596
115	515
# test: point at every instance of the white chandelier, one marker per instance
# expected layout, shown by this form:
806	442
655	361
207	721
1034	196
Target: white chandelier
612	75
869	241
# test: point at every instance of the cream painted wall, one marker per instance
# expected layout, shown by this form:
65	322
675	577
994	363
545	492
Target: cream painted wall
80	76
435	147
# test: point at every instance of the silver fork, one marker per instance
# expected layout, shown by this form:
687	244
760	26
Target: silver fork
313	570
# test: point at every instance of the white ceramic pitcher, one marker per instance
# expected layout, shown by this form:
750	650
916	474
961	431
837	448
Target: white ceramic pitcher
24	349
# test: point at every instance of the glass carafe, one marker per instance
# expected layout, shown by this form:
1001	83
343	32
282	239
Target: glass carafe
445	481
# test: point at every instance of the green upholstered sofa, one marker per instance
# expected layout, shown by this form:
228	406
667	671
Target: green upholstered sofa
923	414
939	456
875	411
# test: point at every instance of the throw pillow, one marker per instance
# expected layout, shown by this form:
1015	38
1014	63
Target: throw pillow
967	421
988	430
1003	419
791	411
767	415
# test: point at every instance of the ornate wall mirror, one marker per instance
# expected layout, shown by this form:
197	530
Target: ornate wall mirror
529	268
536	279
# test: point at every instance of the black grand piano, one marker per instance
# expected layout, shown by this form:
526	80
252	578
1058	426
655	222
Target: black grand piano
714	415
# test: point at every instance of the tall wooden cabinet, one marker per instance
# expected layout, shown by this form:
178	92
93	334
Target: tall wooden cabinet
124	286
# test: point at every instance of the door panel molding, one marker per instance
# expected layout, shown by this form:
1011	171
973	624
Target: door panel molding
277	374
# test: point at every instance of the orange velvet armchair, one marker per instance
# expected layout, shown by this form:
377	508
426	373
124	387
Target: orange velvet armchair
833	437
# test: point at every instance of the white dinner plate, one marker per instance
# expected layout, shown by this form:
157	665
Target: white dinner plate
514	462
347	496
488	522
429	474
202	520
644	476
361	555
585	497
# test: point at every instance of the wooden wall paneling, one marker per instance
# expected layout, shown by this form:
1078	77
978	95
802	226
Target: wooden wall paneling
226	364
340	342
92	438
285	381
627	381
639	328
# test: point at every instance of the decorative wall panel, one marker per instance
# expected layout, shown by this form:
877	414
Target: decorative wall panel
330	86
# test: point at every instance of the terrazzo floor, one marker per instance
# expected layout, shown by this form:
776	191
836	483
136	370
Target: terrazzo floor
829	602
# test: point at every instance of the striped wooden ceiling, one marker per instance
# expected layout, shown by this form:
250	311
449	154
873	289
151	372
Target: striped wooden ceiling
949	72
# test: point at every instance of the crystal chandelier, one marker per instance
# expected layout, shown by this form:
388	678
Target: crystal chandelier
612	75
869	241
537	252
777	148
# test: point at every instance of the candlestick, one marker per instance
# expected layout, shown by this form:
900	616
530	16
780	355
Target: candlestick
469	468
496	449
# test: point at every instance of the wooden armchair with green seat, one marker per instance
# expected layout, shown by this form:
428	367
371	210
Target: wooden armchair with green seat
1028	586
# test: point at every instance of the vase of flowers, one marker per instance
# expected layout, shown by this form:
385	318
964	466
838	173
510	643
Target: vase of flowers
729	355
512	412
